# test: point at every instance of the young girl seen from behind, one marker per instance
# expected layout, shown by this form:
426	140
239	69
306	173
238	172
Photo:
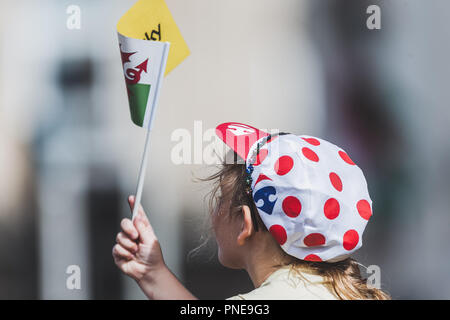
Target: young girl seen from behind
291	214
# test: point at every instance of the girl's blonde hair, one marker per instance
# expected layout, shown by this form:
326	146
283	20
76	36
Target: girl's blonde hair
343	278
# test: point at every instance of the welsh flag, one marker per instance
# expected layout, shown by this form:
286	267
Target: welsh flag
145	33
143	66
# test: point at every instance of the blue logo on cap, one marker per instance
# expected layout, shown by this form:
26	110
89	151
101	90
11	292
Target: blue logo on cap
263	194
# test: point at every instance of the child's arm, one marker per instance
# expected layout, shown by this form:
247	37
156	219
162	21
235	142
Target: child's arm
138	254
164	286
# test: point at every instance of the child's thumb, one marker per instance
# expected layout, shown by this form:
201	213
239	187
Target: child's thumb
142	224
144	228
143	217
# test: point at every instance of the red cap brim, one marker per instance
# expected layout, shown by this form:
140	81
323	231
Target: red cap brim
239	137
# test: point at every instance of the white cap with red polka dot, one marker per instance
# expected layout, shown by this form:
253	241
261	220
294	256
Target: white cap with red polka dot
310	195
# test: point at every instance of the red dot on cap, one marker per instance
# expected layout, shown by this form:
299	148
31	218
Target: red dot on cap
336	181
314	239
283	165
331	208
292	206
364	209
279	233
312	257
351	238
261	156
346	158
309	154
312	141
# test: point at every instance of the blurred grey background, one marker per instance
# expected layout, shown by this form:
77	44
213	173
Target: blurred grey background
69	153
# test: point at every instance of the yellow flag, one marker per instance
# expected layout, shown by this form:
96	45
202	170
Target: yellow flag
152	20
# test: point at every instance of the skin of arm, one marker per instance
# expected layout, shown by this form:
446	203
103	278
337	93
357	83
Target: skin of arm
163	285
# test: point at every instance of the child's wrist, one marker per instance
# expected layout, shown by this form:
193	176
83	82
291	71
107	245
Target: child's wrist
162	284
153	274
150	279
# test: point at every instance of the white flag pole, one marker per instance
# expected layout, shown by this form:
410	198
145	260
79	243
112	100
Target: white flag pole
141	178
140	185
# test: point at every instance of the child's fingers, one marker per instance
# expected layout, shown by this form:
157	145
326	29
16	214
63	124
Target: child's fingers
141	213
126	242
121	253
129	229
143	218
131	200
142	225
146	234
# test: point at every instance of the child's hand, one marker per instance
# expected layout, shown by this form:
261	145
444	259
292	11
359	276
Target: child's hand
137	252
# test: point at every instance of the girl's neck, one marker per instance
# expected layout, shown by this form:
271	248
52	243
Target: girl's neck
260	264
260	274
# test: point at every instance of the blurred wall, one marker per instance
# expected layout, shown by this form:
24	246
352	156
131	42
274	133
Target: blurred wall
387	101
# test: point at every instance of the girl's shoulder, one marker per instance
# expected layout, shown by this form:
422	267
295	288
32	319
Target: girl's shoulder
288	284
